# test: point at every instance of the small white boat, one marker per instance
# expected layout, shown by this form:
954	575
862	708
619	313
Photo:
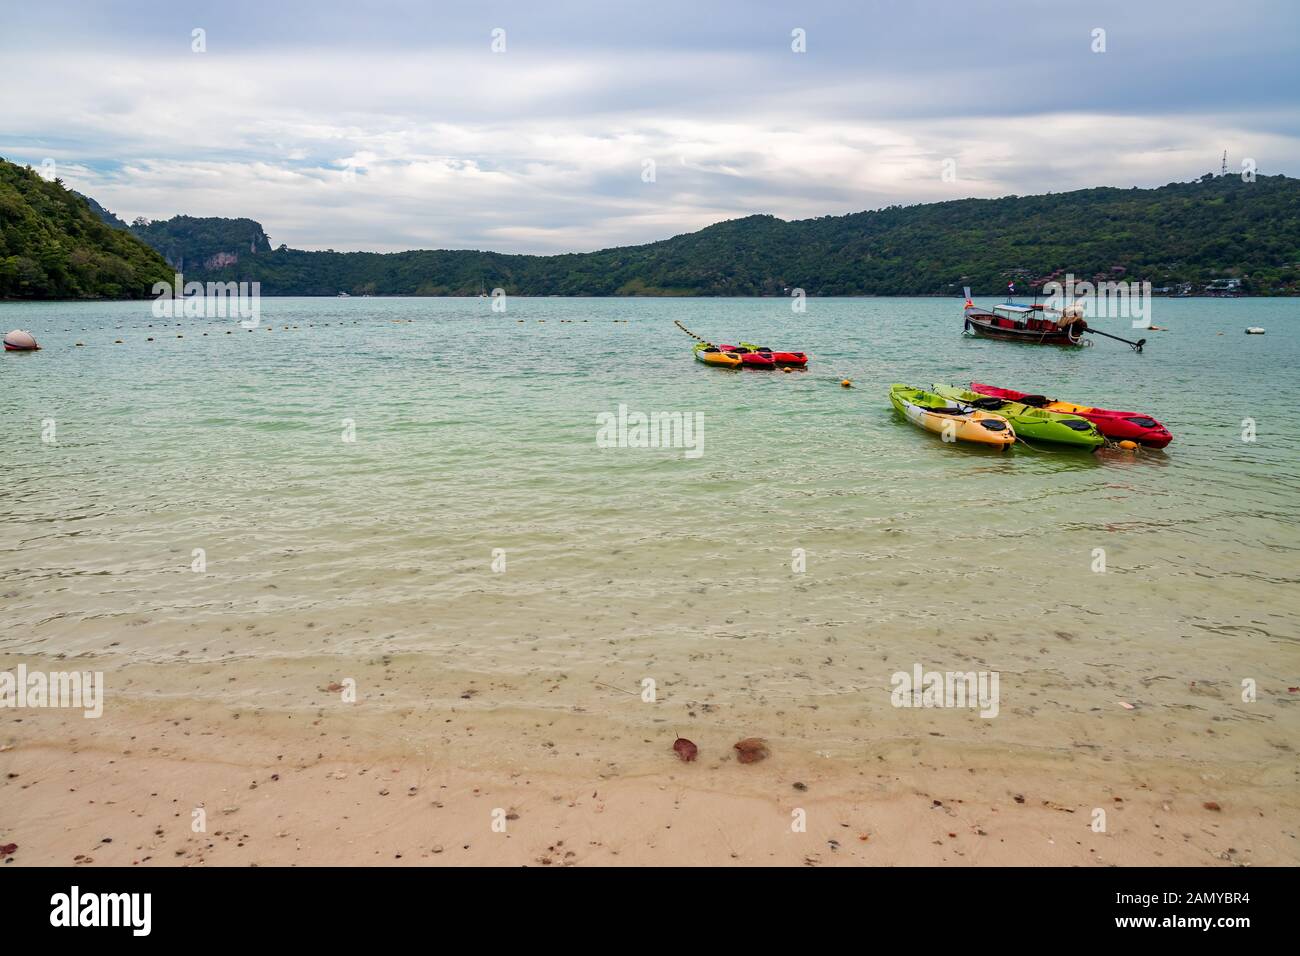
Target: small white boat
1254	330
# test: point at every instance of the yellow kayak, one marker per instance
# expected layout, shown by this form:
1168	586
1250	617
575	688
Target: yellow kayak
953	420
712	355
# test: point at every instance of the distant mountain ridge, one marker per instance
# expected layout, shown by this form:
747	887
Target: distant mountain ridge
1183	234
193	244
1181	237
190	242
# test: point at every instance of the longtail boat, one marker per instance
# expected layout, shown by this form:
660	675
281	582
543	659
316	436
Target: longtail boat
1031	324
1035	324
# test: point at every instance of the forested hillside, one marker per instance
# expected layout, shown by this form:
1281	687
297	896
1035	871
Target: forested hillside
195	245
1194	233
53	246
1180	237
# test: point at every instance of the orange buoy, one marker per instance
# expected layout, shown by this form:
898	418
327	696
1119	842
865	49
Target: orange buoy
1128	445
846	384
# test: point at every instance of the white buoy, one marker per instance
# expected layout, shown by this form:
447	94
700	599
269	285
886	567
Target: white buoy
20	341
1253	330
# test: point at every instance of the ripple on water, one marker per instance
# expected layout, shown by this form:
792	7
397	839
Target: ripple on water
474	432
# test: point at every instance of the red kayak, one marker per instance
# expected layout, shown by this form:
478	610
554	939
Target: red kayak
1118	426
750	357
792	359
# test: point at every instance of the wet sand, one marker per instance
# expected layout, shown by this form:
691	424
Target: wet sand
328	788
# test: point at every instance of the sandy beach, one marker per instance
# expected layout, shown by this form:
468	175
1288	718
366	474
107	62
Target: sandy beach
690	436
182	783
312	640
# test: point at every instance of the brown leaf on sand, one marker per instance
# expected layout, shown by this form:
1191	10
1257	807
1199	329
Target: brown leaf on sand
751	750
333	687
1209	805
8	849
685	749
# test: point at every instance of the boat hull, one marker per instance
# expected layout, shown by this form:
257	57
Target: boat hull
1115	425
748	358
792	359
969	425
716	357
989	326
1037	423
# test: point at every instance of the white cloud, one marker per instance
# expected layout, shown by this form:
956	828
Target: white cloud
329	148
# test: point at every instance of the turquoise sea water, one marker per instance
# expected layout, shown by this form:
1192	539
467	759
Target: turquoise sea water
476	431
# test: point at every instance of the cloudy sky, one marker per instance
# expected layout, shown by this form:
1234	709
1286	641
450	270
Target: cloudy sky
390	125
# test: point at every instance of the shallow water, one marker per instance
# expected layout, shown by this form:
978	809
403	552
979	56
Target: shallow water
477	431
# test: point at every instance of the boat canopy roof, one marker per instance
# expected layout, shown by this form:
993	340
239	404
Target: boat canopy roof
1018	309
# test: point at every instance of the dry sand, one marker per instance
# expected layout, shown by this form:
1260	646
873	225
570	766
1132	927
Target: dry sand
278	789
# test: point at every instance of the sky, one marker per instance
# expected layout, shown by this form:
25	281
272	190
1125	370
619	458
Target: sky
560	126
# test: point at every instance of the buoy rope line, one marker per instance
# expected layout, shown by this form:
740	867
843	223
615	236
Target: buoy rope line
269	327
844	383
693	335
801	368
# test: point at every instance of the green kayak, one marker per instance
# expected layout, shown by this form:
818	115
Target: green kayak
1029	422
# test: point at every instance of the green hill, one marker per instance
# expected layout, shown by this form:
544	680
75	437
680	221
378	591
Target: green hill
192	244
54	246
1197	232
1180	235
104	215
